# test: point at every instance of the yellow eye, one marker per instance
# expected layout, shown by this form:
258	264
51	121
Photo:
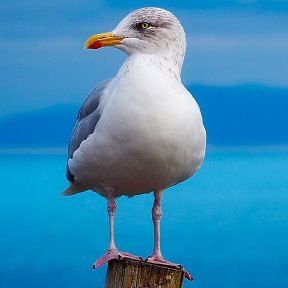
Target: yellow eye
145	25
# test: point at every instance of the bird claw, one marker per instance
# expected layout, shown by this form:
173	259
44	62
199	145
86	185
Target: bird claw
187	275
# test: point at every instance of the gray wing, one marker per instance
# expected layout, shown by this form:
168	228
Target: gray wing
88	117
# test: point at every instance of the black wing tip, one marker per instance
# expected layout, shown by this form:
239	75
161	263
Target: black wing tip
69	176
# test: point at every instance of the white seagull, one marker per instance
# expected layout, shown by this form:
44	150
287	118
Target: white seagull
141	131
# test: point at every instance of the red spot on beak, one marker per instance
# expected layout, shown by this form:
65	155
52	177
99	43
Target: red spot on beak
95	45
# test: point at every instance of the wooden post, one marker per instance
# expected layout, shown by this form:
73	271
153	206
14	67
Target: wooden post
128	273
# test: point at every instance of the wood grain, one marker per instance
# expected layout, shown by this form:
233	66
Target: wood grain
128	273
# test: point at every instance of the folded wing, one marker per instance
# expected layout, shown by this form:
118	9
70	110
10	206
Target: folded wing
88	117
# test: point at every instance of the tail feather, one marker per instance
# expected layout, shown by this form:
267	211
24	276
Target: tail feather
73	189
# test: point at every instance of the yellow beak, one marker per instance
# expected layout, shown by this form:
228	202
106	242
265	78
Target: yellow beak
101	40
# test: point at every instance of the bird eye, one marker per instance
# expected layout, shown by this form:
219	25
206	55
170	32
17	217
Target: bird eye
142	25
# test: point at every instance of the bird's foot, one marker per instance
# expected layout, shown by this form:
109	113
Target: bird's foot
112	254
156	259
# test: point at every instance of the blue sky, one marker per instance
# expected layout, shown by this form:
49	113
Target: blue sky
43	62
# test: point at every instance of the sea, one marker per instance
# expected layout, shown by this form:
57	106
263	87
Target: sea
227	225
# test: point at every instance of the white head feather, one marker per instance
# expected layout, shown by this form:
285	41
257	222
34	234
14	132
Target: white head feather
163	35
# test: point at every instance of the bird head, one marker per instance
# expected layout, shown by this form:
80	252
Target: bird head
146	30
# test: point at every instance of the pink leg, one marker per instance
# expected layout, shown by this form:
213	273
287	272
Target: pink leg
111	208
156	217
157	257
112	252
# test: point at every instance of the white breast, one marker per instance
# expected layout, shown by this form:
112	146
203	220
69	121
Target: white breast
150	135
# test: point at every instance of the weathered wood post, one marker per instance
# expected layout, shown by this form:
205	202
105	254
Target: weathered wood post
128	273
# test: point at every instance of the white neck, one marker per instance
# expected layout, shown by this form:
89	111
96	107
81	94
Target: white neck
165	64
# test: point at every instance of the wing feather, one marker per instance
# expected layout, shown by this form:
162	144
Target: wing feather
88	117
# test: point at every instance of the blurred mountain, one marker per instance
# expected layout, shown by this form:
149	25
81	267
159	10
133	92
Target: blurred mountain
239	115
49	127
244	115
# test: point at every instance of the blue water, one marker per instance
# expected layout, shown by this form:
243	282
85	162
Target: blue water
228	225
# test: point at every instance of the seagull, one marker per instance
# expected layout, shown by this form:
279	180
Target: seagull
141	131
